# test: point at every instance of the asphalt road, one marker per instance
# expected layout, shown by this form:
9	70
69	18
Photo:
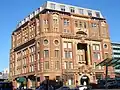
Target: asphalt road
105	89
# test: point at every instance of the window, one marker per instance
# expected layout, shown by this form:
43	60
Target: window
70	65
65	45
45	21
38	57
80	24
52	6
85	26
89	13
32	58
46	63
55	21
46	53
57	65
65	53
62	7
96	47
66	31
80	58
57	53
106	55
94	65
56	29
45	29
93	24
96	55
69	45
65	65
81	11
97	14
72	10
38	65
68	54
76	23
66	22
32	68
46	77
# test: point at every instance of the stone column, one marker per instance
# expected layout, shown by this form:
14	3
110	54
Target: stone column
88	54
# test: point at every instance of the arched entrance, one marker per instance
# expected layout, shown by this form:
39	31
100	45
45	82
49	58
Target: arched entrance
84	80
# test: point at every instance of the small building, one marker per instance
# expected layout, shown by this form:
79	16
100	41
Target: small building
116	54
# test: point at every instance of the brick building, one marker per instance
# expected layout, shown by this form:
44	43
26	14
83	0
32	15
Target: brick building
59	41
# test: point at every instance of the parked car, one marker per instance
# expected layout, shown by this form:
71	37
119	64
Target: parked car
6	86
63	88
81	87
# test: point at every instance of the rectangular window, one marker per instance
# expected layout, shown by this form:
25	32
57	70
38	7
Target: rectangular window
32	58
97	14
38	65
81	11
32	68
65	53
96	55
55	21
65	45
56	29
89	13
96	47
85	26
69	45
38	57
57	65
93	25
65	65
70	65
76	23
68	54
80	58
46	63
62	7
94	65
56	53
106	55
80	24
46	53
45	29
66	31
45	21
72	10
66	22
52	6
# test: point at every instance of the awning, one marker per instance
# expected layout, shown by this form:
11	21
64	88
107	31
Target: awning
21	79
109	62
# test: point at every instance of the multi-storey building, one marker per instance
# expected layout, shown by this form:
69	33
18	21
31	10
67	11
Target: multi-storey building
59	41
116	55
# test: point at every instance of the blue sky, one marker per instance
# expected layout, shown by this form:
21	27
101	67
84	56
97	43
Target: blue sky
12	11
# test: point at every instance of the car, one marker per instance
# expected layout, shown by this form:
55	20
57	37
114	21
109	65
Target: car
63	88
81	87
6	86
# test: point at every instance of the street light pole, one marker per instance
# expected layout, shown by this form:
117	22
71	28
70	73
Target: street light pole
106	76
